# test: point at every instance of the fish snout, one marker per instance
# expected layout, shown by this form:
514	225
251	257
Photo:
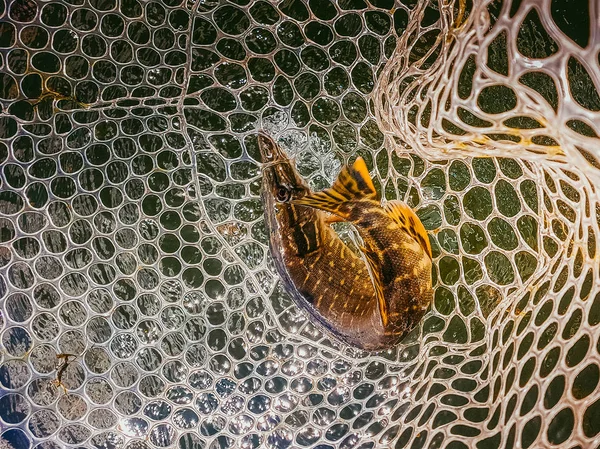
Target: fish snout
269	150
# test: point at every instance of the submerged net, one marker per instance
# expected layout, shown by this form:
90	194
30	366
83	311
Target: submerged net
133	237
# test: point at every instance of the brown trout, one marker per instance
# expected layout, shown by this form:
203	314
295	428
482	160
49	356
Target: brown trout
322	275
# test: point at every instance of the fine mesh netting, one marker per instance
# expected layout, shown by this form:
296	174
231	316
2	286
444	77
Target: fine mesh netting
139	304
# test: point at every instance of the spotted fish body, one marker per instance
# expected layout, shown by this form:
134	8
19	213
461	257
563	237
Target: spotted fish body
396	246
322	275
400	264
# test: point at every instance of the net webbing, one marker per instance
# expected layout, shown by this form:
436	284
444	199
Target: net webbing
139	305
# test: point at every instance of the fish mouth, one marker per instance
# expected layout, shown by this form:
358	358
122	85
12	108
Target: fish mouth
269	150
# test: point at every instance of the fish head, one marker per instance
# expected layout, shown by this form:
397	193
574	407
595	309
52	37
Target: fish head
281	182
294	230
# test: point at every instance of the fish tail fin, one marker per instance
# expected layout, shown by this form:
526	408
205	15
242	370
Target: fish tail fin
402	214
353	183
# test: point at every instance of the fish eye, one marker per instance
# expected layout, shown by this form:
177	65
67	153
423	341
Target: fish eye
283	194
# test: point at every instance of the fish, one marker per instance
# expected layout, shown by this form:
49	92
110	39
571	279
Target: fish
395	245
322	275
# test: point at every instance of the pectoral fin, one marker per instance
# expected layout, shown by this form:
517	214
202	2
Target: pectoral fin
402	214
330	219
353	183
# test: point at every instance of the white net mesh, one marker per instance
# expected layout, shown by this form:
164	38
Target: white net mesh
139	305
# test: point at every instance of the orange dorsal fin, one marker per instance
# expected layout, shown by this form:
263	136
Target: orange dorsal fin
402	214
353	183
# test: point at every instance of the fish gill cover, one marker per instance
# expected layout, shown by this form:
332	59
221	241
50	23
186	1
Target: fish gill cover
139	306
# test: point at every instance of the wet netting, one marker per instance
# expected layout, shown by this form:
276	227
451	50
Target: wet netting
139	304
